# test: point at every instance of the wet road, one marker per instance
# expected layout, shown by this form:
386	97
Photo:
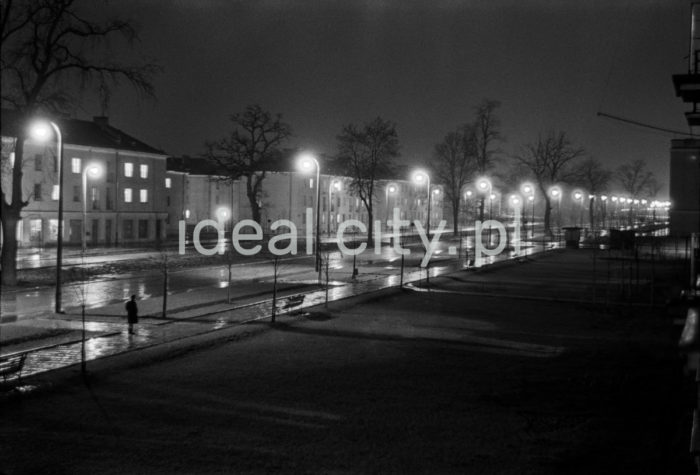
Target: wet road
294	269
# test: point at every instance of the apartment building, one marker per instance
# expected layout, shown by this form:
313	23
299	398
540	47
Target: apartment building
112	187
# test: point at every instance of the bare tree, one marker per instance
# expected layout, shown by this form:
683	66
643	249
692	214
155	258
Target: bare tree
367	154
594	178
250	150
454	165
50	54
550	161
486	134
635	179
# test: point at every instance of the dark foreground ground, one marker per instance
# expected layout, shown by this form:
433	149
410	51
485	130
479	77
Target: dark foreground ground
410	382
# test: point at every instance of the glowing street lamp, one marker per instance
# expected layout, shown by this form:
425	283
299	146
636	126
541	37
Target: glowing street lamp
420	177
336	185
95	171
307	162
41	131
578	196
529	191
604	199
483	186
555	192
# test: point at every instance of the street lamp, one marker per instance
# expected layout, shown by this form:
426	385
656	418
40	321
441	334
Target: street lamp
529	191
483	186
389	189
578	196
555	192
332	185
614	200
420	177
604	199
41	130
307	162
95	171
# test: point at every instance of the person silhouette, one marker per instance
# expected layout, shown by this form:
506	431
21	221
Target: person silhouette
132	313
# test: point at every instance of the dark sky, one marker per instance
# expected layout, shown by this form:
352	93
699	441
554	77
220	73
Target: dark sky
421	64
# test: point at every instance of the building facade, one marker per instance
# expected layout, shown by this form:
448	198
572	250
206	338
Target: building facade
112	186
199	191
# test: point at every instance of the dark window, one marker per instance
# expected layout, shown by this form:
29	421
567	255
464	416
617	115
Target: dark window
167	200
143	228
37	192
76	194
37	162
108	199
128	225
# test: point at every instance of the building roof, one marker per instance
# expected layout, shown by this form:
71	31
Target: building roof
95	133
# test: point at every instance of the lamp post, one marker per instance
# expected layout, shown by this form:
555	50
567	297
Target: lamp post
41	131
333	184
516	202
555	192
389	189
613	219
604	199
578	196
529	191
94	171
420	177
306	162
467	200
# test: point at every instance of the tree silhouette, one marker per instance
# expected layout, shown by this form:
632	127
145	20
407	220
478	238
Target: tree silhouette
250	150
366	154
50	55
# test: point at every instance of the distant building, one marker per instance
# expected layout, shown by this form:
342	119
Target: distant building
125	204
198	190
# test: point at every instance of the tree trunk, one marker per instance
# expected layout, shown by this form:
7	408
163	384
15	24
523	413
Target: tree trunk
591	213
547	216
455	216
370	226
253	199
10	218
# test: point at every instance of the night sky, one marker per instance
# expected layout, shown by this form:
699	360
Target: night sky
421	64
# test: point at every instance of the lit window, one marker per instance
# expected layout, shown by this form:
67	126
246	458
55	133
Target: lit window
54	192
311	182
127	195
128	169
143	196
75	165
143	171
187	213
168	182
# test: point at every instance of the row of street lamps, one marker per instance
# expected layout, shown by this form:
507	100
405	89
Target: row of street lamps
307	162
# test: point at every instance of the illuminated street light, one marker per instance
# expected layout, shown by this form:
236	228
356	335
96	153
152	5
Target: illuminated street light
222	213
95	171
555	192
336	185
420	177
529	191
307	162
41	130
578	196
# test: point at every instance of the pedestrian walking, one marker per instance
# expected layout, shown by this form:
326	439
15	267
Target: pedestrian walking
132	313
